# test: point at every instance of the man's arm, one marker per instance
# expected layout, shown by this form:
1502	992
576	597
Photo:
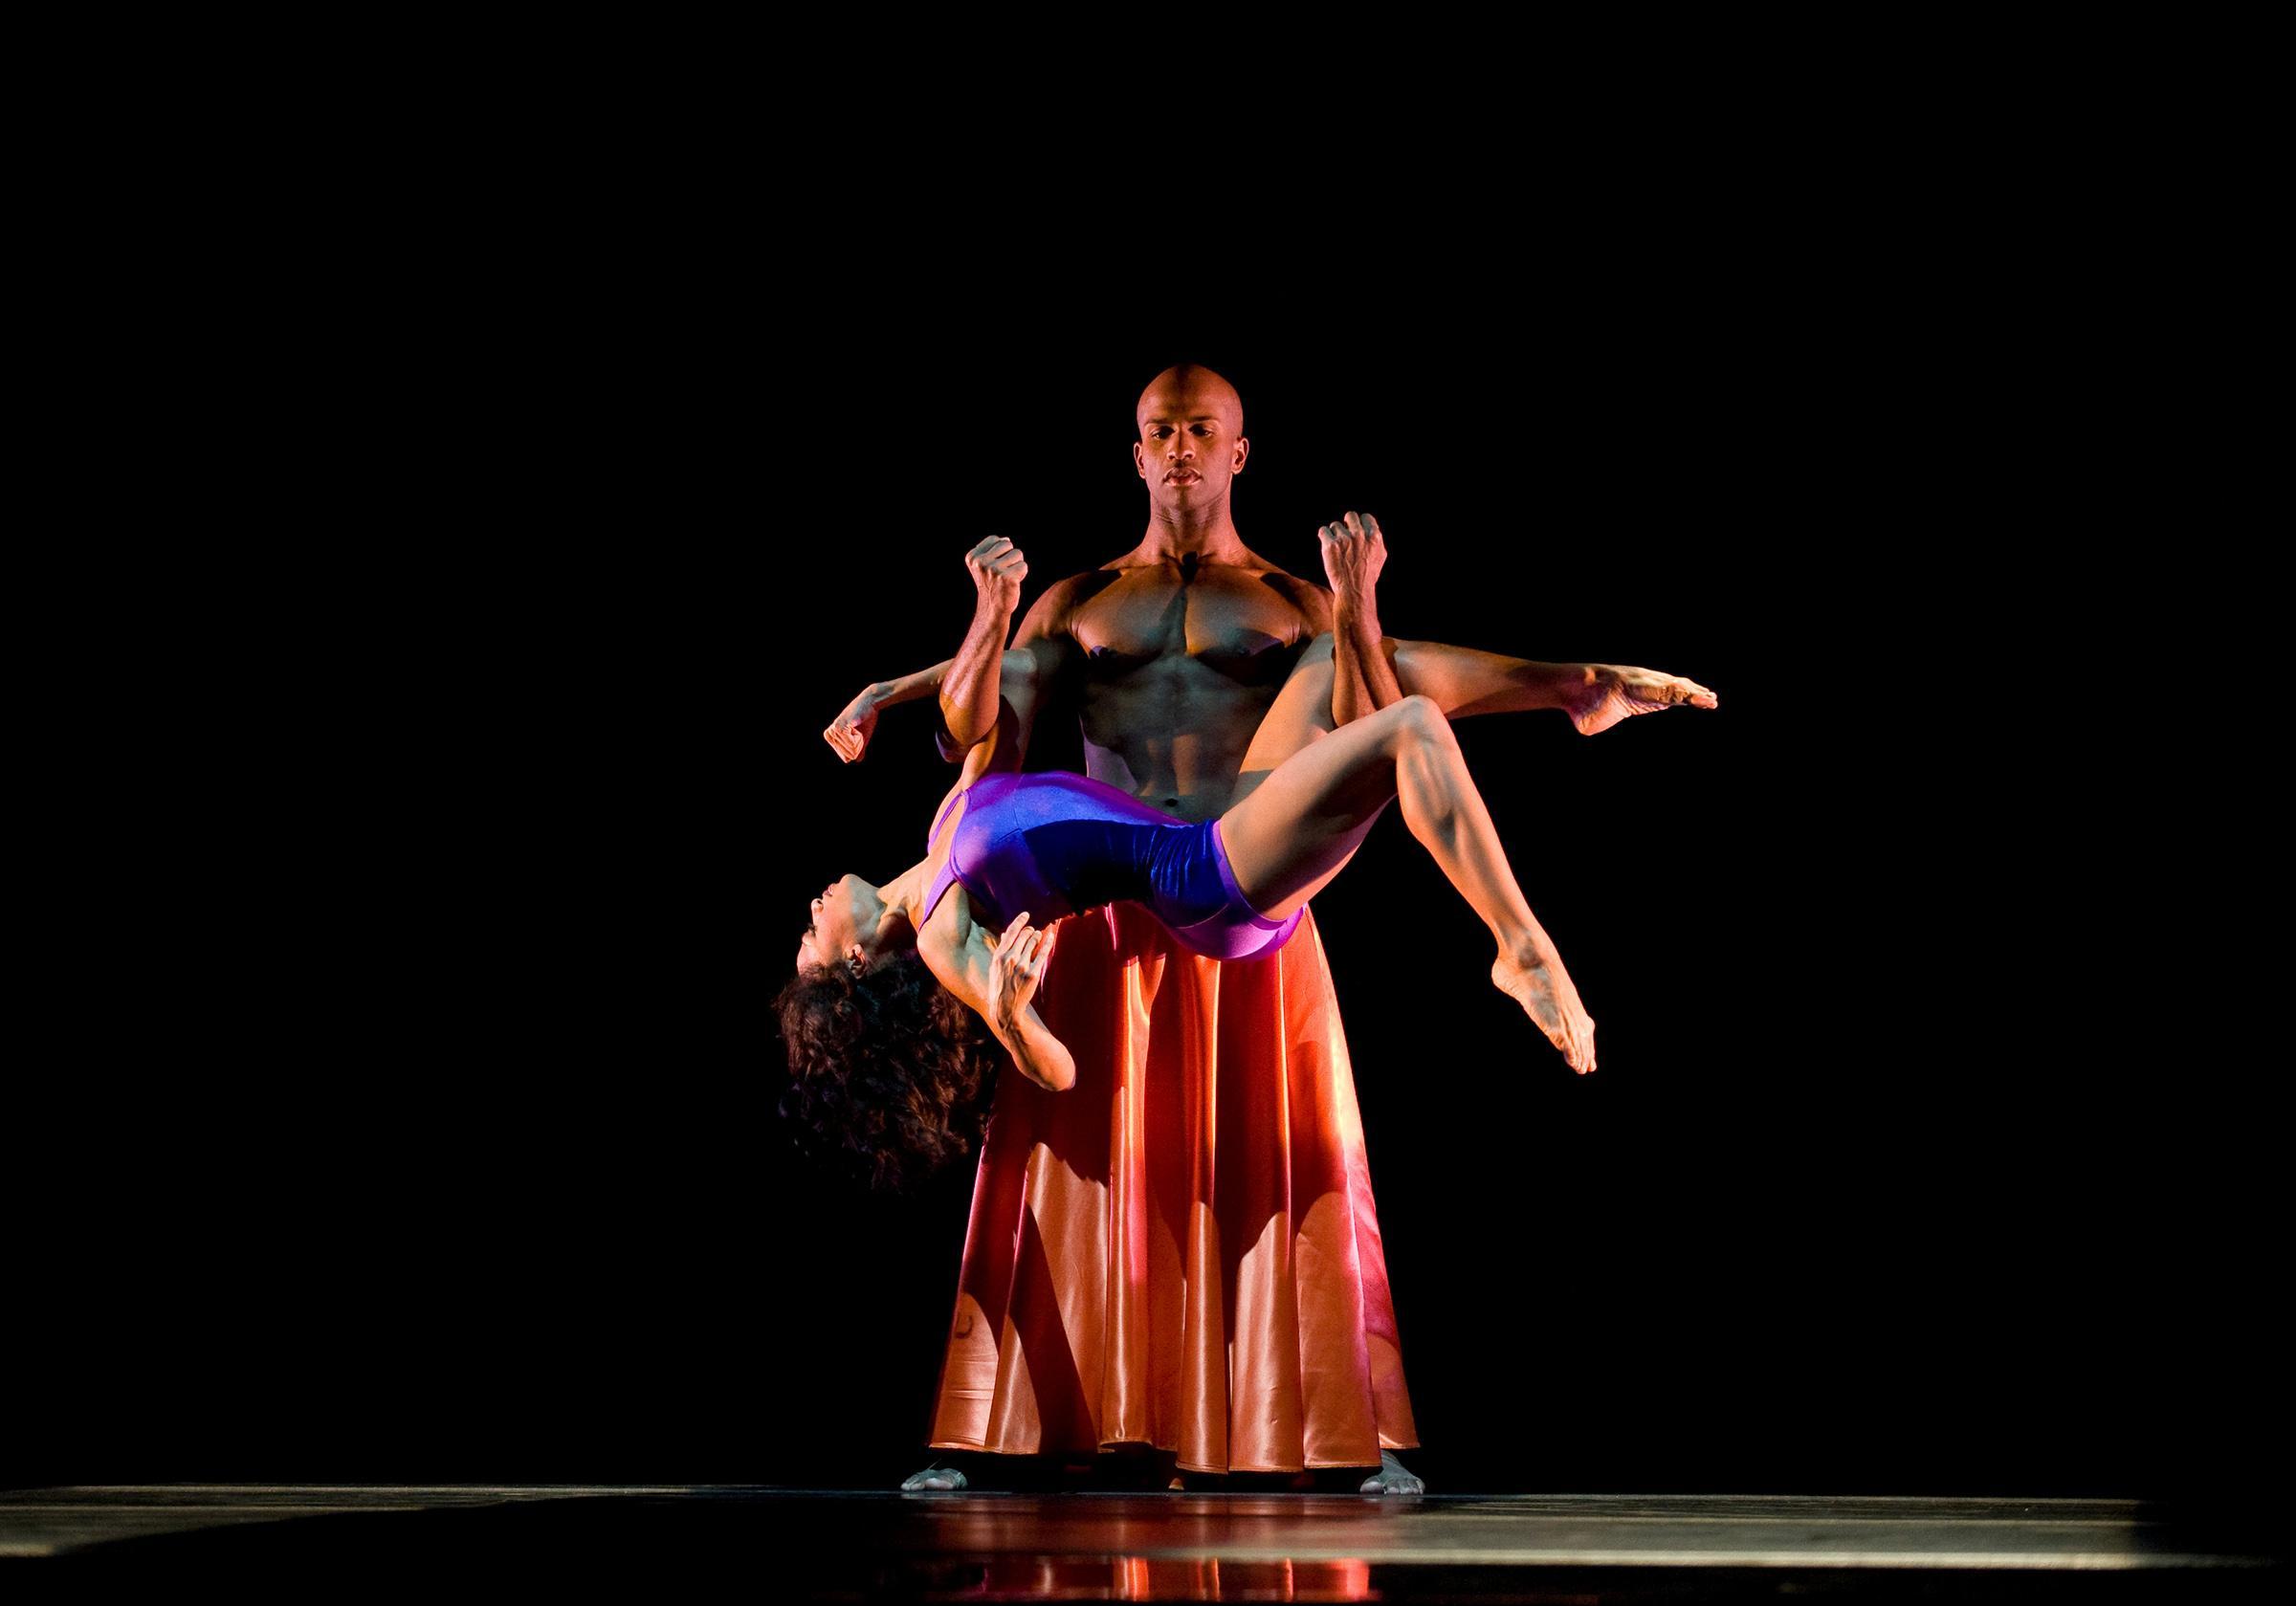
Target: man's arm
972	688
1001	751
969	691
1363	681
1043	656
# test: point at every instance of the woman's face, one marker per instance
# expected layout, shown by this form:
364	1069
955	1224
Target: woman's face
831	928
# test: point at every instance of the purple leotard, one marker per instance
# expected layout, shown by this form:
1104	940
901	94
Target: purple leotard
1053	843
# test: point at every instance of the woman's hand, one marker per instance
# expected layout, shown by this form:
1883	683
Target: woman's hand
850	732
1014	966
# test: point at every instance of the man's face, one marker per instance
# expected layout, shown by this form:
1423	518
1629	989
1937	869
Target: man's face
1191	443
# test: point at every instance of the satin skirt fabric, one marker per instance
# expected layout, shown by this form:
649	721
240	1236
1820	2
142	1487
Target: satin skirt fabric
1181	1250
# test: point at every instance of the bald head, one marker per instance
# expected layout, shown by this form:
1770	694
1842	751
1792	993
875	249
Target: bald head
1190	424
1185	391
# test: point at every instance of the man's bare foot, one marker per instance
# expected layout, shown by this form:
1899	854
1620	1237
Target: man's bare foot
1616	691
1537	981
934	1478
1393	1478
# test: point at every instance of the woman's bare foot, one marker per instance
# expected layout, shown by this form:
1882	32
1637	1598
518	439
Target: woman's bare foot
1616	691
1535	979
935	1477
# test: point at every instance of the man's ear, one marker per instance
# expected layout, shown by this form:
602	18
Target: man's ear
1139	462
1243	450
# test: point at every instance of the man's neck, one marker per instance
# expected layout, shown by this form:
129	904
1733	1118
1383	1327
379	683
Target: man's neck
1210	538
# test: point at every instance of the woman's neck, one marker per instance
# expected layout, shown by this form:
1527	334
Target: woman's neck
906	892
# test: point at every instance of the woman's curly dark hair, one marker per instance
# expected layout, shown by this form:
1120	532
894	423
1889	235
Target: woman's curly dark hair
891	1074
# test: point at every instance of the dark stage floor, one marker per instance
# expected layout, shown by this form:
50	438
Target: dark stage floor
856	1544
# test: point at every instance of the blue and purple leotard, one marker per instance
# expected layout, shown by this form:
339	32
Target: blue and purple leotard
1054	844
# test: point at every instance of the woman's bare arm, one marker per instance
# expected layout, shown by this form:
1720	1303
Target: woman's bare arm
848	735
996	980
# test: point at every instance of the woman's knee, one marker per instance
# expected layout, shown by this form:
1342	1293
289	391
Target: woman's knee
1421	718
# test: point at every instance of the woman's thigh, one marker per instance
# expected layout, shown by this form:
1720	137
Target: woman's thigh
1309	814
1300	717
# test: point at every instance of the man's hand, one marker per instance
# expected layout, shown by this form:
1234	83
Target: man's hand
850	732
1614	692
1353	552
1014	965
997	569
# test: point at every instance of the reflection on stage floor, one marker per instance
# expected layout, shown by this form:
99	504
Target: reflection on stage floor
811	1544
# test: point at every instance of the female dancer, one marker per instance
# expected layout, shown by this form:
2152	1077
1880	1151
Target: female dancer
880	1020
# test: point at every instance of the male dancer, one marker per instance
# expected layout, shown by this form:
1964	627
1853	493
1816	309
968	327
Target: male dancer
1181	1253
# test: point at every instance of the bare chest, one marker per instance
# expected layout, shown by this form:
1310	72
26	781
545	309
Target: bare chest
1227	622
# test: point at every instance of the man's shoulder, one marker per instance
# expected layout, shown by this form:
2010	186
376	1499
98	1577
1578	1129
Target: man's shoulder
1313	601
1052	616
1063	596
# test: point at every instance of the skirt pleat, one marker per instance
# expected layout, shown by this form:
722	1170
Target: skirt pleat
1183	1250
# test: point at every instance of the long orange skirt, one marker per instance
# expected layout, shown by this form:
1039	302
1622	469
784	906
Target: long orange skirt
1181	1250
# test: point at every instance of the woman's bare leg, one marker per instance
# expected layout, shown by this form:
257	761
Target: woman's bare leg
1305	818
1300	715
1463	681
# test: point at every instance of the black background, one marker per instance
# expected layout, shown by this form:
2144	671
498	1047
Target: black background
473	809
